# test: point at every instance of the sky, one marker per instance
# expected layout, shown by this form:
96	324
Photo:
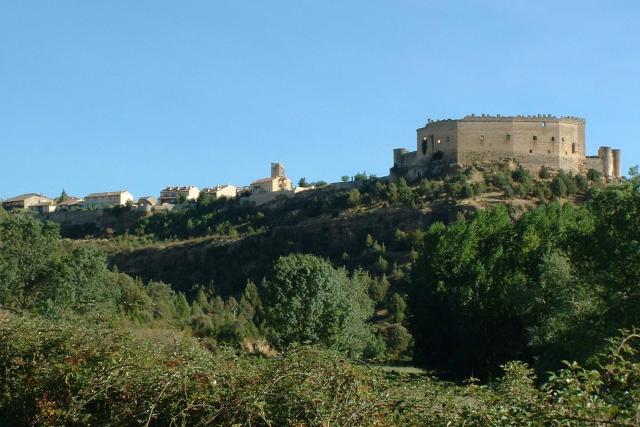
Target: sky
139	95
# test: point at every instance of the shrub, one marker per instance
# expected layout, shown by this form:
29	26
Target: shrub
594	175
558	187
545	172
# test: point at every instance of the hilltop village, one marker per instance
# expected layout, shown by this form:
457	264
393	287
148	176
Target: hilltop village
532	142
257	193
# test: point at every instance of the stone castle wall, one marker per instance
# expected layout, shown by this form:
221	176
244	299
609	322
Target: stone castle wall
531	141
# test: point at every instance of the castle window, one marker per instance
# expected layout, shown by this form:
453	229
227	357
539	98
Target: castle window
543	124
535	138
553	138
573	148
548	151
507	137
448	139
438	141
481	137
530	151
563	139
424	145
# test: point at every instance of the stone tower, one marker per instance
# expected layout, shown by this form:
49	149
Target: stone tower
277	170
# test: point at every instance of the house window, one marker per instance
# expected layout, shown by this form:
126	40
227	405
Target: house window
535	138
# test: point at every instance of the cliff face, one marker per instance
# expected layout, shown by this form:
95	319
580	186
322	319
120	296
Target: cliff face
75	224
228	264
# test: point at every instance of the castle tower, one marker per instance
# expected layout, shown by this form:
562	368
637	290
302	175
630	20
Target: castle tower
277	170
617	163
607	160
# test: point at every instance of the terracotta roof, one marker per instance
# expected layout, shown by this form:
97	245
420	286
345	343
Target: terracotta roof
22	197
260	181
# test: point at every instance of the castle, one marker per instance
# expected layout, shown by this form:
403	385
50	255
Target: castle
530	141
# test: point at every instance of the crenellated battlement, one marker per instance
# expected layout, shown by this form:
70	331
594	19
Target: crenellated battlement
532	141
517	118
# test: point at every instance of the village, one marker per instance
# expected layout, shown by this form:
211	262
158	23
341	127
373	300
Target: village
531	142
257	193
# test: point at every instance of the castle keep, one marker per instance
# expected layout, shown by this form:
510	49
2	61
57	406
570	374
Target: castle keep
531	141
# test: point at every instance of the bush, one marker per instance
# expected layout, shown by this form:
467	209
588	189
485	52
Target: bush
306	300
545	172
558	187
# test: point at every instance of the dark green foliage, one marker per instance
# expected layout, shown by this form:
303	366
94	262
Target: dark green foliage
397	308
38	273
594	175
478	299
558	187
353	198
569	182
377	286
397	339
582	183
306	300
86	372
544	173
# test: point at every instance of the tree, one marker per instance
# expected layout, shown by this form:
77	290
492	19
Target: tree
545	172
28	250
345	178
558	187
306	300
594	175
353	198
397	338
397	308
303	182
63	196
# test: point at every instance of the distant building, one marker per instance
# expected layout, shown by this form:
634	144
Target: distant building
44	207
226	190
107	199
277	182
24	201
531	141
147	201
172	194
69	203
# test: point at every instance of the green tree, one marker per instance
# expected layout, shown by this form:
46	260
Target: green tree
28	251
558	187
545	172
594	175
397	308
303	182
306	300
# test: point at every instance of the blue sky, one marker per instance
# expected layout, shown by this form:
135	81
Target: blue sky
98	96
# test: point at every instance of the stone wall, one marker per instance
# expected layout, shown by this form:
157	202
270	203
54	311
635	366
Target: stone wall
532	141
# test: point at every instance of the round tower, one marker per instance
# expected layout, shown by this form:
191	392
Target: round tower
617	163
607	161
